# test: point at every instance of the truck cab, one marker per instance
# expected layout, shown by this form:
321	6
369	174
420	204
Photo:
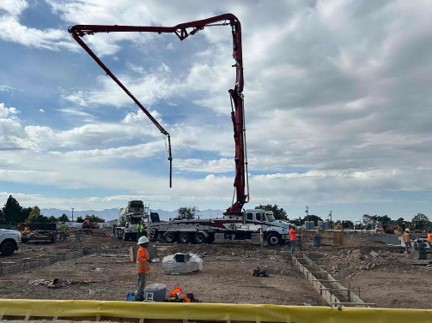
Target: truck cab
274	231
9	241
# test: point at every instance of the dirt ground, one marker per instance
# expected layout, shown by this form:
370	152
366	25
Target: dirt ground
377	273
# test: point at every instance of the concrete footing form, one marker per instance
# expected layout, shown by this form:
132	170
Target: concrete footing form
331	290
20	266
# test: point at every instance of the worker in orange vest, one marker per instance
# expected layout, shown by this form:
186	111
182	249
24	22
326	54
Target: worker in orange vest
407	240
143	267
293	236
429	239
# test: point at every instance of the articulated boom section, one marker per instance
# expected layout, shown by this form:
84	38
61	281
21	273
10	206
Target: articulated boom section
183	31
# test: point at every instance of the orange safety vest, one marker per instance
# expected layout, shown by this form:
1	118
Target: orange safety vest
406	237
142	258
292	234
429	237
178	291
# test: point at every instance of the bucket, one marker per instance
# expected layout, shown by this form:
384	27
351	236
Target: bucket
317	241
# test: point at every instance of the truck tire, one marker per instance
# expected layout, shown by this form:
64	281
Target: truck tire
199	237
170	237
7	248
184	237
273	239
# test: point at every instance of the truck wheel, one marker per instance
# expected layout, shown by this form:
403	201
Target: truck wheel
170	237
274	239
7	248
199	237
184	237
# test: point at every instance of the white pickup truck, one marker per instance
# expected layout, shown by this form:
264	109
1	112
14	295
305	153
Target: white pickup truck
9	241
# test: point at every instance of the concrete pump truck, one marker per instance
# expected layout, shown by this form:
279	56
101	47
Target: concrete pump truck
235	223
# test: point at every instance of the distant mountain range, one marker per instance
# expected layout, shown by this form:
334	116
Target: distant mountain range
111	214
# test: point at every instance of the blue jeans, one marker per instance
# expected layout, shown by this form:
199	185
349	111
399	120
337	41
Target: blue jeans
293	246
141	286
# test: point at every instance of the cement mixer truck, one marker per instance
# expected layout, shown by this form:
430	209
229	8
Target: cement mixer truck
128	219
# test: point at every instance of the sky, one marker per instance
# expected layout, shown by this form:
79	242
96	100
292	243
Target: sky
337	106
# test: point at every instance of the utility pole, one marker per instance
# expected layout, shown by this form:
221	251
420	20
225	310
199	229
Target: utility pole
72	214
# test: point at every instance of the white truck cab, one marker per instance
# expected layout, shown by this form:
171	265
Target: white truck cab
9	241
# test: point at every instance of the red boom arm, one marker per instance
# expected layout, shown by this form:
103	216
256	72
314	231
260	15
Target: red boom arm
237	102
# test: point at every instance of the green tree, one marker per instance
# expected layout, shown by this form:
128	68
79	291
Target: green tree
278	212
40	219
187	212
52	218
420	217
383	219
34	213
25	212
79	219
313	218
94	219
421	222
368	221
12	210
63	218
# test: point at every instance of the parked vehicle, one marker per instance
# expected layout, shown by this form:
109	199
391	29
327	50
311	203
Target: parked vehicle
40	232
128	220
231	227
9	241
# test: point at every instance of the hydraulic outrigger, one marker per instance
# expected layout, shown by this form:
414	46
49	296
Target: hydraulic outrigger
182	31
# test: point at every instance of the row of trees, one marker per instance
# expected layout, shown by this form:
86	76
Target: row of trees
368	221
13	213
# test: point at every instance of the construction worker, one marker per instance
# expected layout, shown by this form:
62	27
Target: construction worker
429	239
143	267
407	240
140	230
63	232
293	236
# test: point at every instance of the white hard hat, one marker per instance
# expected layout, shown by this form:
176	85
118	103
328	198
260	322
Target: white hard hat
407	230
143	240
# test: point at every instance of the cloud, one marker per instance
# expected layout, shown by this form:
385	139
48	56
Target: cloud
6	88
13	7
337	103
47	39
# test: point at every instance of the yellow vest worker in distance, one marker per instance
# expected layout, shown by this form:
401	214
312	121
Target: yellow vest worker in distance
143	267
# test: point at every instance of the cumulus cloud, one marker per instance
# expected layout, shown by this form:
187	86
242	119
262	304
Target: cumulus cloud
13	31
337	100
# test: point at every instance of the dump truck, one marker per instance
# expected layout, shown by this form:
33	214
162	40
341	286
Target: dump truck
234	227
128	219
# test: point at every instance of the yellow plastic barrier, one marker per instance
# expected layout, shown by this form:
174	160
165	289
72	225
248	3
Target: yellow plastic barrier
99	310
